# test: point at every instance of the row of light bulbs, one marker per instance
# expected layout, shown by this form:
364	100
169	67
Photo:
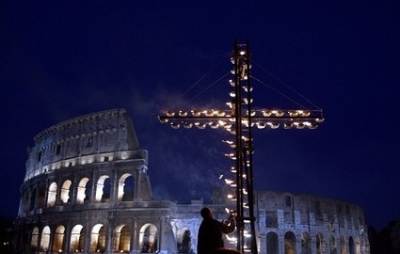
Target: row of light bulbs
254	113
228	126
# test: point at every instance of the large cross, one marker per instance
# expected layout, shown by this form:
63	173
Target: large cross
239	119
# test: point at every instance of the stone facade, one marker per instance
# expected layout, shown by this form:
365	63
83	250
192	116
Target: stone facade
87	190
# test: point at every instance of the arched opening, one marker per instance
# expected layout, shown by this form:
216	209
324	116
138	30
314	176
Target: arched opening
272	243
184	241
98	239
41	197
125	187
351	245
58	240
52	194
45	239
122	239
65	188
290	243
77	239
342	246
32	201
305	243
332	245
83	192
103	189
148	238
319	242
357	247
35	238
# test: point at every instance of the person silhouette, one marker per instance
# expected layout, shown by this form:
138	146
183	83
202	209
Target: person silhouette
210	233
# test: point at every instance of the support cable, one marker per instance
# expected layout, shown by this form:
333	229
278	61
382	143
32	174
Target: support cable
277	91
291	88
210	86
196	83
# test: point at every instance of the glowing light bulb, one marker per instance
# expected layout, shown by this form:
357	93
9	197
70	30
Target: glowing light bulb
229	155
182	113
228	181
231	238
169	113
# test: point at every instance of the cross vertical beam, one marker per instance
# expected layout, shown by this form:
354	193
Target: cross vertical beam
238	149
244	149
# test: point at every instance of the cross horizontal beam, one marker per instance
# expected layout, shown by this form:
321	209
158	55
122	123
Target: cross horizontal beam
261	119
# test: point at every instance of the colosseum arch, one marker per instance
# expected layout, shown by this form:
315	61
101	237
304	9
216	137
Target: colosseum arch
35	238
122	239
272	243
77	239
184	241
305	243
52	194
342	246
357	245
40	200
103	188
351	245
82	191
58	240
290	243
319	241
45	239
148	238
98	239
332	245
32	200
65	190
125	187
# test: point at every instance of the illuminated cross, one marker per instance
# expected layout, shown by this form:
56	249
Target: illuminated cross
239	118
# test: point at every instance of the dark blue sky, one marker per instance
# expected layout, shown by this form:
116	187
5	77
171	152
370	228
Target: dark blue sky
59	60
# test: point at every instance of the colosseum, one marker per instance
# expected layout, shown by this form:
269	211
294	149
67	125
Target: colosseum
87	190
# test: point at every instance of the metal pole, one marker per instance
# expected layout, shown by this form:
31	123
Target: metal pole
250	158
238	135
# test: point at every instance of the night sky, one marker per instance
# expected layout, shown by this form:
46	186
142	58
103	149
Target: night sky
61	60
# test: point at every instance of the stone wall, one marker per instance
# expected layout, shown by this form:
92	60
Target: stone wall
100	136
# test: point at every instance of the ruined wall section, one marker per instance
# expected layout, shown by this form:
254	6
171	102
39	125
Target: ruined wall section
331	223
317	225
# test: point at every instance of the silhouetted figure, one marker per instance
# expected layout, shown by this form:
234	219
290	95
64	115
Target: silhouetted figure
210	233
